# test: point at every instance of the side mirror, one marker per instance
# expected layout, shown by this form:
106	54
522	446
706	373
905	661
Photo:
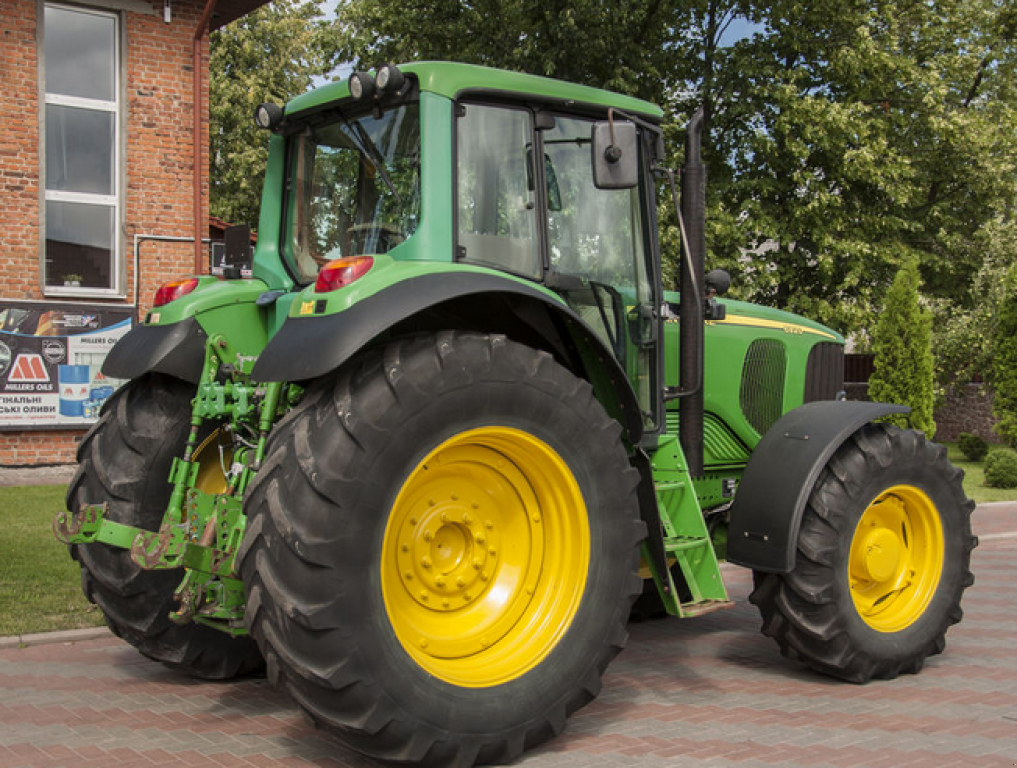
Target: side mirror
615	155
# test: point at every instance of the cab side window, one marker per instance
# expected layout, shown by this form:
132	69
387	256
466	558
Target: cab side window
496	198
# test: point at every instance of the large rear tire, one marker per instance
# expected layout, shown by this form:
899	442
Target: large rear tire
442	549
124	460
882	562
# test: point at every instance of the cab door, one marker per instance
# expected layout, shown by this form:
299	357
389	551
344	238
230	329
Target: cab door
603	236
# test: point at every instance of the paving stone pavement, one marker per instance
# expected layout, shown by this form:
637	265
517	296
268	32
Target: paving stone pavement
707	692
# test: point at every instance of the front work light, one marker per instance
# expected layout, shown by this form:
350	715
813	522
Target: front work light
339	273
268	116
390	79
361	85
173	290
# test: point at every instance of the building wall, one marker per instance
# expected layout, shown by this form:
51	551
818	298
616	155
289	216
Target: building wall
963	409
158	101
966	409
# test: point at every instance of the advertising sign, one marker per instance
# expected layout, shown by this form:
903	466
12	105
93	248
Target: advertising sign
50	360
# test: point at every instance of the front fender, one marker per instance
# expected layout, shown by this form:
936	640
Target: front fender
312	346
767	511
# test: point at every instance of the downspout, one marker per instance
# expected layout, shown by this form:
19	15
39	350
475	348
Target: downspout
200	265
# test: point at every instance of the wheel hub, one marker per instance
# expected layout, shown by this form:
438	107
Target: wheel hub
880	555
449	547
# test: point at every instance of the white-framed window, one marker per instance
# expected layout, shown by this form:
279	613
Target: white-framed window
82	242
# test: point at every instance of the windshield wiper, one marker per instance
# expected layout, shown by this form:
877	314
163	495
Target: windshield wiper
366	146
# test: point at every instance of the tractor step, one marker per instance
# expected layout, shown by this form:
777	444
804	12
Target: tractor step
703	607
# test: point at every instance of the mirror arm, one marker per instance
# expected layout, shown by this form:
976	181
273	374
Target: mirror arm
612	154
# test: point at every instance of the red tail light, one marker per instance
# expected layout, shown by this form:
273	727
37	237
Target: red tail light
174	290
339	273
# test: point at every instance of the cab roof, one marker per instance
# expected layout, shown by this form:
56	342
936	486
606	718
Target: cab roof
453	80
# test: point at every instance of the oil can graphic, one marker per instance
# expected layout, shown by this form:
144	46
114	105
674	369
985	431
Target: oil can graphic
73	383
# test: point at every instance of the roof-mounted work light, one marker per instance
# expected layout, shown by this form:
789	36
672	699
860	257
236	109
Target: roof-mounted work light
362	85
268	116
389	78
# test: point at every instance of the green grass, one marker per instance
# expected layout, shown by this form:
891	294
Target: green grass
40	586
974	477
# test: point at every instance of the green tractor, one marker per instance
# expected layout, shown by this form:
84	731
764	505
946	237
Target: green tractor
422	463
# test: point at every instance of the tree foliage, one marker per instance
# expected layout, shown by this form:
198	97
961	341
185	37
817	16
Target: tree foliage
964	336
271	54
857	136
1004	364
903	369
618	45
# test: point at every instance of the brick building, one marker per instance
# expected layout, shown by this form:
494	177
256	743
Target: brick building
99	189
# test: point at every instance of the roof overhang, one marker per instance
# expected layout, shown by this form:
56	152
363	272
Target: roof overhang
231	10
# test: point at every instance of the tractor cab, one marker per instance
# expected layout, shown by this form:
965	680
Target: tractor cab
369	177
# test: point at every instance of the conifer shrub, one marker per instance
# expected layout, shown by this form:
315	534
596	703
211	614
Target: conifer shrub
902	342
972	446
1001	469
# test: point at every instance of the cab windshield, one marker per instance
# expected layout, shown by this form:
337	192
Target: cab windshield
355	188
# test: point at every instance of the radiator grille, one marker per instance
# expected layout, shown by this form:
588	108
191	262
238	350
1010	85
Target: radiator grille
762	390
824	372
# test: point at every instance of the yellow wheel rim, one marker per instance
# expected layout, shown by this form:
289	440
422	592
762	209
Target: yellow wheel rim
896	558
485	556
210	477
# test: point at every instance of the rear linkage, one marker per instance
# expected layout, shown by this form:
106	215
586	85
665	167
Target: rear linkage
200	531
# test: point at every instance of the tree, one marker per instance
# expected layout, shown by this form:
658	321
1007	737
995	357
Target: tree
963	337
272	54
903	368
619	45
857	136
1004	364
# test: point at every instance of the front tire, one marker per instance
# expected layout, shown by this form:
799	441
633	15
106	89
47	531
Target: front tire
124	460
882	562
442	550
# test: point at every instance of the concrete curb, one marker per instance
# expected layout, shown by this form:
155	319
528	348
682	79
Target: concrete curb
51	638
996	504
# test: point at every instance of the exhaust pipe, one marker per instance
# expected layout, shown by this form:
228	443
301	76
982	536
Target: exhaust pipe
693	208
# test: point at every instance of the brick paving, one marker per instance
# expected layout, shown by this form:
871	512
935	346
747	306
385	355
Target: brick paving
708	692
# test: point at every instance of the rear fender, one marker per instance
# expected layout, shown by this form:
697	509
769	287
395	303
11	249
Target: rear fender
177	350
767	511
307	347
172	339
